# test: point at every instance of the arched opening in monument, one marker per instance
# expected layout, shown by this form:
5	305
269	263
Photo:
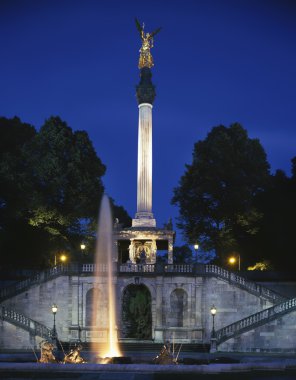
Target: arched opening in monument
92	302
179	307
136	312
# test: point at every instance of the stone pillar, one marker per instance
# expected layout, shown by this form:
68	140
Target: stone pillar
144	194
145	96
74	300
144	215
158	329
132	252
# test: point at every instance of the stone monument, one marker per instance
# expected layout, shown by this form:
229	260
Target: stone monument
143	238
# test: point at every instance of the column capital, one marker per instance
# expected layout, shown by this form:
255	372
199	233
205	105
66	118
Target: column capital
145	90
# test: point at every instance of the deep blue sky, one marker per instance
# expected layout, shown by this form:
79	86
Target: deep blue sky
216	62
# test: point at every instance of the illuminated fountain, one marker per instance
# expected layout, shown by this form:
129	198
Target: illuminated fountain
104	303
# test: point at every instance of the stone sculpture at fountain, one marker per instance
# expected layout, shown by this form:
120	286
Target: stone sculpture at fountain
47	355
165	356
74	356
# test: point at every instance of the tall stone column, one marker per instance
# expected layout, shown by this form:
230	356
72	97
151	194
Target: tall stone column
145	96
144	195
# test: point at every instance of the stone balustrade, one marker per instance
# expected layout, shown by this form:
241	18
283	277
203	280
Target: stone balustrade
35	328
144	269
241	281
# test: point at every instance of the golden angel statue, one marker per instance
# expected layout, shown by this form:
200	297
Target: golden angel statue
146	59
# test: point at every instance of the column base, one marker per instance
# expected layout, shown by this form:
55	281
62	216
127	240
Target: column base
213	346
144	219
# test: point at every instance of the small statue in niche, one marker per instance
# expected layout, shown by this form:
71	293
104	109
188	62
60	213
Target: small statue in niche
143	257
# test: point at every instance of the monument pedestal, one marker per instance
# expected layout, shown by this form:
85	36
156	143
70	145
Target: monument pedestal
132	242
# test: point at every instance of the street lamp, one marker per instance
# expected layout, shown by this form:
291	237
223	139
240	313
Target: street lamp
62	258
82	247
82	252
54	310
213	347
196	248
233	259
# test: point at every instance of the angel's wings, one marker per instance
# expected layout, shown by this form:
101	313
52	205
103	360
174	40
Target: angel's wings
155	32
141	29
138	25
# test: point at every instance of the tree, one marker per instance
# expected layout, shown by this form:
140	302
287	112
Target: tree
275	240
216	194
67	179
16	190
13	176
51	186
182	255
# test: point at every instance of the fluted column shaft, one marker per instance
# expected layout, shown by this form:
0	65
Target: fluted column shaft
144	193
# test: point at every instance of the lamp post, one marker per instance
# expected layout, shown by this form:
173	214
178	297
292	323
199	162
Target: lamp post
82	251
233	259
82	247
196	248
62	258
54	310
213	347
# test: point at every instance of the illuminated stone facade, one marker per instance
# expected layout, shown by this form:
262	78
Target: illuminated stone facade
174	300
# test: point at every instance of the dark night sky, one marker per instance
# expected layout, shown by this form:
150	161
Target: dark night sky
216	62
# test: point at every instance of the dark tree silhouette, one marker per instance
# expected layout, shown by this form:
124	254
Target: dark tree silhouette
216	193
51	186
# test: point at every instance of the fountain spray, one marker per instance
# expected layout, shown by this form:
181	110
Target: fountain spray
104	316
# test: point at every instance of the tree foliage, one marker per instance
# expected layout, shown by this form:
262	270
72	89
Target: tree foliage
50	190
182	254
275	240
216	193
67	178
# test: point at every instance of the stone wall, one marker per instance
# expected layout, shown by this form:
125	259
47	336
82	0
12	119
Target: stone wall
180	309
13	337
276	336
36	303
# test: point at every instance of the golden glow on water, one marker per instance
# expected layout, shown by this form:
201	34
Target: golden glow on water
104	308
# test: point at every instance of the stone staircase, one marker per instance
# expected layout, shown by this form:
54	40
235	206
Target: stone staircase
36	279
255	320
245	284
281	304
20	320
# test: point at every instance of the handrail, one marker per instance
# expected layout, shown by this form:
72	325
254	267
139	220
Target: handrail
255	320
37	278
18	319
242	282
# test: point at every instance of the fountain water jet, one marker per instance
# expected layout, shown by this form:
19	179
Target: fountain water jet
104	311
